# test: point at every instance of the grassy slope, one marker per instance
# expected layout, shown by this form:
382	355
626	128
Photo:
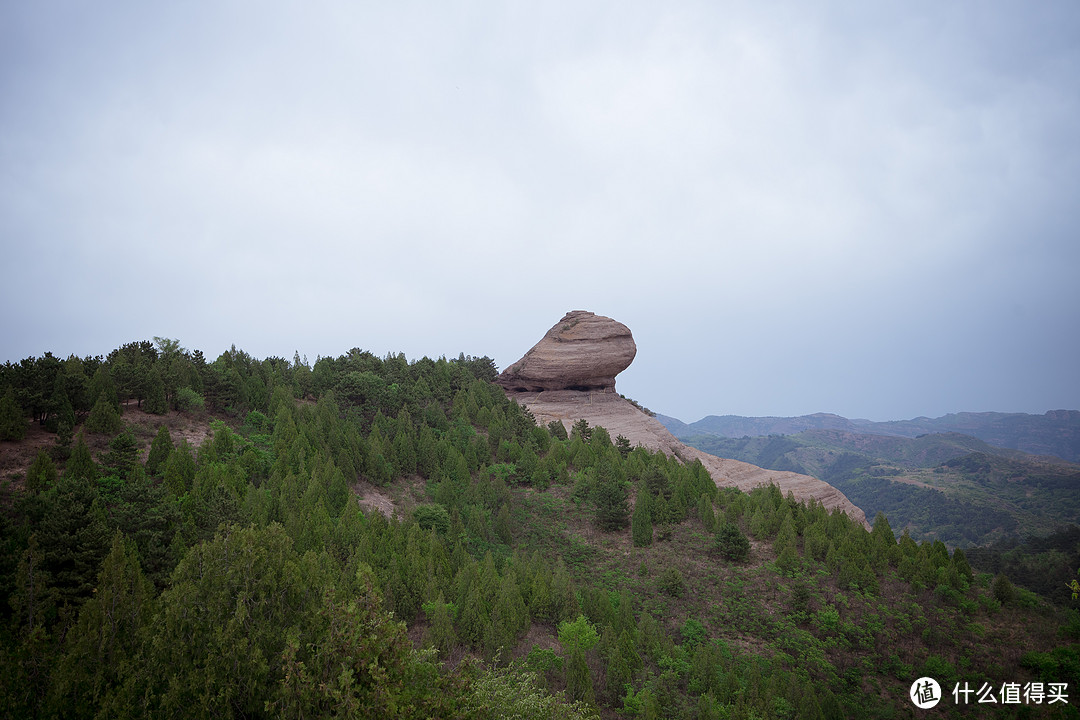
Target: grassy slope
874	647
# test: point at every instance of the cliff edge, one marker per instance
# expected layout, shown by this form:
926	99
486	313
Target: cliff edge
570	375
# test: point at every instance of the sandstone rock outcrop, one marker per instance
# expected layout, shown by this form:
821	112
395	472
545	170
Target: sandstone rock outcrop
582	352
584	387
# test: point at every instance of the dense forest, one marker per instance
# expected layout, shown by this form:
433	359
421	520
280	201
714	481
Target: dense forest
522	570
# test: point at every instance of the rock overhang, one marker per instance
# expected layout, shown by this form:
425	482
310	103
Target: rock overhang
583	352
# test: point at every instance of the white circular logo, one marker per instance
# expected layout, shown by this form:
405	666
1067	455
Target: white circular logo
925	693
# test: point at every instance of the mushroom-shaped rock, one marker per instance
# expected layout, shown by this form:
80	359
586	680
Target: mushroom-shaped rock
583	351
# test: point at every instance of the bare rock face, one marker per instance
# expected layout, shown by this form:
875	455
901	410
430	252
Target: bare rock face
570	375
582	352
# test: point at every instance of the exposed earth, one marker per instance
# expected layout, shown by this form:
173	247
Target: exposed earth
589	347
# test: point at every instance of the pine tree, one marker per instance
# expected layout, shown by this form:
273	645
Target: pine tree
102	385
509	614
74	535
123	455
12	422
705	512
960	564
34	600
731	542
611	503
557	430
440	632
61	410
99	650
1003	589
179	470
41	474
104	418
160	449
156	401
579	684
81	464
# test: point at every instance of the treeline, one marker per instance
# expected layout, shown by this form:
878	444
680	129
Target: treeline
1043	564
240	578
1001	507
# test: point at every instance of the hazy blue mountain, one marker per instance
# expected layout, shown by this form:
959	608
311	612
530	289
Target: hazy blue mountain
1055	433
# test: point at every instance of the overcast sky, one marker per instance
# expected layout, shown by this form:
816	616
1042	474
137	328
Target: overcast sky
862	208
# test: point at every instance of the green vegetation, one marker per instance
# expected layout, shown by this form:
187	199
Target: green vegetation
241	577
945	487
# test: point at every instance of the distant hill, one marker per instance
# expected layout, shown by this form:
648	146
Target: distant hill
1055	433
946	486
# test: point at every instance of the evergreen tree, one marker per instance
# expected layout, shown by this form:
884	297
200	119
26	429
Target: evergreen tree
960	564
62	444
41	474
81	464
100	650
557	430
509	614
731	542
440	632
104	418
581	430
26	667
74	535
61	410
160	449
123	455
12	422
180	470
611	503
705	512
579	684
156	401
33	602
1003	590
102	385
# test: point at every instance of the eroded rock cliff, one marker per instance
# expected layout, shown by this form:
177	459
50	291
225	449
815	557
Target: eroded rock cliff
570	374
582	352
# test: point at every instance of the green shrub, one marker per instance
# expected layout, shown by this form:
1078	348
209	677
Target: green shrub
732	543
187	400
671	582
433	516
104	417
693	632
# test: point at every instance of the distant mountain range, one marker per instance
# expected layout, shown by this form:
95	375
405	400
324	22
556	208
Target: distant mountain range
935	482
1055	433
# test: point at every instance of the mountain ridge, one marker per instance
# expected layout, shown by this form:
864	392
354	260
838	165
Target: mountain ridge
1056	432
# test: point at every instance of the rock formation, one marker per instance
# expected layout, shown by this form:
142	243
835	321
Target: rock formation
570	374
583	352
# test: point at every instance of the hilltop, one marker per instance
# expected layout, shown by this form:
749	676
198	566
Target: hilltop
570	375
223	566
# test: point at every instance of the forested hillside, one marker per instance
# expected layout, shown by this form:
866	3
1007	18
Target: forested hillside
945	486
524	572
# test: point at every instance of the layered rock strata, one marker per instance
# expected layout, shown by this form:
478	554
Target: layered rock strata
583	352
566	397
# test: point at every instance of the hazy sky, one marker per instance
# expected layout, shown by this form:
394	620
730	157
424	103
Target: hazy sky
862	208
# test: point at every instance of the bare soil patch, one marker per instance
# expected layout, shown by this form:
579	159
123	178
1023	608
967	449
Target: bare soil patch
372	497
16	456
